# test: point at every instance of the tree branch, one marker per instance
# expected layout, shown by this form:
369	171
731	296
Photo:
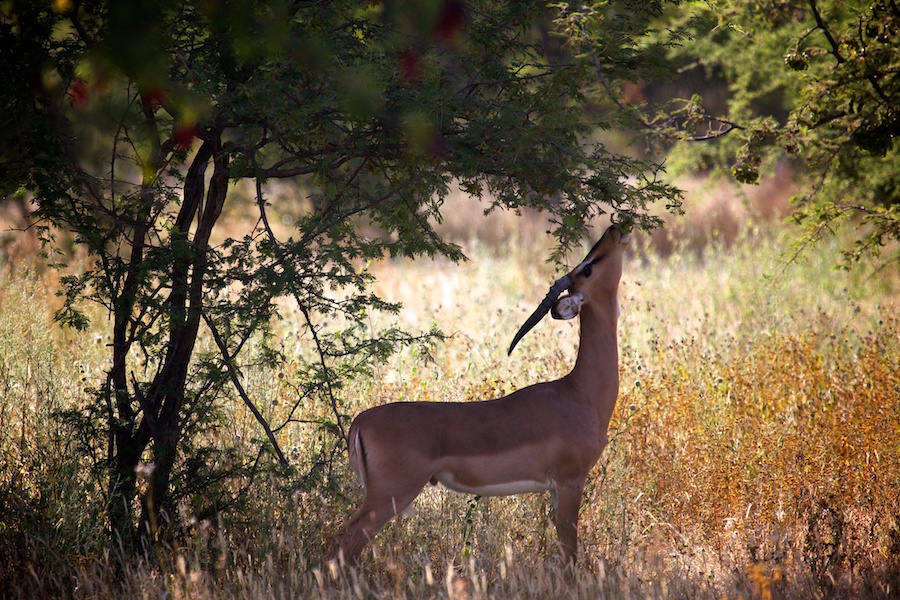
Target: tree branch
276	172
820	23
236	382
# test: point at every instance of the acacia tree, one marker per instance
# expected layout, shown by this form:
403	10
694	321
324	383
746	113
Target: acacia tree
128	124
813	82
816	82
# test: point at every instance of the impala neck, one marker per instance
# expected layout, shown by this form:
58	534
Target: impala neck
596	371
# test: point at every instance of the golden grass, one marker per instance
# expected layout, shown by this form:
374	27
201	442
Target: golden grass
755	449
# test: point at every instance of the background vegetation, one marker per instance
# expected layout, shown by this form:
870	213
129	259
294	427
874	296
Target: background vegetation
182	437
754	448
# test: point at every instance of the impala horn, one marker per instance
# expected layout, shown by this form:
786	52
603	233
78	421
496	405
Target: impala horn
561	285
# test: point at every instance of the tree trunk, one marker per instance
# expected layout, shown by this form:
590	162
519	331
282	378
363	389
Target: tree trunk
184	307
125	450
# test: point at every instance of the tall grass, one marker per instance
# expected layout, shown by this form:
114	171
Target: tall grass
755	449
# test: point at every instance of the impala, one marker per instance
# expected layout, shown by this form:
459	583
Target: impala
545	437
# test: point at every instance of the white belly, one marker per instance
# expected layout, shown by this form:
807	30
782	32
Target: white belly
507	488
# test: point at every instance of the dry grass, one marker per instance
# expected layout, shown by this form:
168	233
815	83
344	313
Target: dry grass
755	450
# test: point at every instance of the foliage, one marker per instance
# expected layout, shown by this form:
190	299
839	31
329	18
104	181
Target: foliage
130	125
814	81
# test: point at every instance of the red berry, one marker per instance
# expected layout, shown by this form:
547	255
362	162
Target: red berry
409	67
183	134
79	92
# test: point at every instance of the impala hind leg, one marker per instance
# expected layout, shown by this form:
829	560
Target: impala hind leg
376	510
568	502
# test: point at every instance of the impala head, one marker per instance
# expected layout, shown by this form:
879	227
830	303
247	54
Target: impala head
597	276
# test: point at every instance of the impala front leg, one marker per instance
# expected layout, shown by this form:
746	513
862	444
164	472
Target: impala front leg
568	502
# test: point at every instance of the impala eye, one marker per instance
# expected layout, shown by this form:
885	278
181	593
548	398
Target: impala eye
586	271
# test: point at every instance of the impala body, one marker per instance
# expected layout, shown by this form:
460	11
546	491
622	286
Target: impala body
545	437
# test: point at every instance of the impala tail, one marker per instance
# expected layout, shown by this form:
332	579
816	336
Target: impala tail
357	452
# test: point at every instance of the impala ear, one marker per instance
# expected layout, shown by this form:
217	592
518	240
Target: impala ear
567	307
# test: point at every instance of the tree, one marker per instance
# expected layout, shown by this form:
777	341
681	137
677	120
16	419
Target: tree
812	81
129	125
